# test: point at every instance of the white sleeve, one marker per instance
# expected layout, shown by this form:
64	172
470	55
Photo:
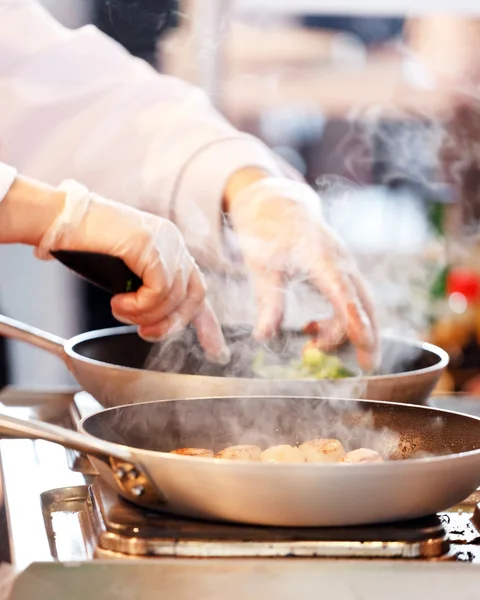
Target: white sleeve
76	104
7	177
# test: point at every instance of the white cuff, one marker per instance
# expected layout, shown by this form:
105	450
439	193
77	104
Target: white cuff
196	207
7	177
76	205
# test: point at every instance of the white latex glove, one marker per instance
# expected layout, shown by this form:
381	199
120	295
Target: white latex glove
173	290
282	235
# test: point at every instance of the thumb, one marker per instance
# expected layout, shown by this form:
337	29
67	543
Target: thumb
270	300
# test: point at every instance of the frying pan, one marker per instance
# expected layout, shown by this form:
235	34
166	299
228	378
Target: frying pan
117	367
129	446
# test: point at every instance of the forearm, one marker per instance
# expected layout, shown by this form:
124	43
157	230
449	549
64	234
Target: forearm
240	180
27	211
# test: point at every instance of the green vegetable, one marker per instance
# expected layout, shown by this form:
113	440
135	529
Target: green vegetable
315	364
436	217
313	358
438	289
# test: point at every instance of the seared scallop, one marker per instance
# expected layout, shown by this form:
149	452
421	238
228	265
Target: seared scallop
322	450
199	452
283	453
240	453
362	455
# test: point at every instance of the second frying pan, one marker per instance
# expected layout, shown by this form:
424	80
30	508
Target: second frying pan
130	447
117	367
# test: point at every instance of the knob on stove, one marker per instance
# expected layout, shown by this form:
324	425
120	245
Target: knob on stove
120	472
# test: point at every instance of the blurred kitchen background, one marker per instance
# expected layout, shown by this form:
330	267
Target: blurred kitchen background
326	92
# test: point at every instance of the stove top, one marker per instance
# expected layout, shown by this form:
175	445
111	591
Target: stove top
82	518
111	527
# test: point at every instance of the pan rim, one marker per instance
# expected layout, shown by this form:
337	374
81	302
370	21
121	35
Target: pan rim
441	355
313	467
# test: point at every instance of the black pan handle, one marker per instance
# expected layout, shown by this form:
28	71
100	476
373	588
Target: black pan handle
107	272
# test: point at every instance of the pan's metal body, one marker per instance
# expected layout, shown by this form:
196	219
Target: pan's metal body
129	445
117	367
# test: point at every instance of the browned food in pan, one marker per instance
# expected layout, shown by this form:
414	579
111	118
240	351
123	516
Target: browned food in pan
241	452
200	452
322	450
362	455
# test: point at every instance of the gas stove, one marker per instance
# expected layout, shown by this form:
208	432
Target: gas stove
59	511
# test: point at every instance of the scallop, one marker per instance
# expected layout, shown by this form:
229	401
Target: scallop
362	455
283	453
198	452
322	450
240	453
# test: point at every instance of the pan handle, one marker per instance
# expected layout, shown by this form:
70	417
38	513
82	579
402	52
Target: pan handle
130	476
16	330
13	427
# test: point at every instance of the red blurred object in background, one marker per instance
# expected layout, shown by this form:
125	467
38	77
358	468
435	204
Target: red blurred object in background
465	282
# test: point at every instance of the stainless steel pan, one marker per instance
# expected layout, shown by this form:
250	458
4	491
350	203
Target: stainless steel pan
129	445
117	367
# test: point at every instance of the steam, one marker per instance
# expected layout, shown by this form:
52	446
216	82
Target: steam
386	225
400	149
218	423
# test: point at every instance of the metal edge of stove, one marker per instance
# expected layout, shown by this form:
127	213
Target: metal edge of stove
61	509
122	546
45	404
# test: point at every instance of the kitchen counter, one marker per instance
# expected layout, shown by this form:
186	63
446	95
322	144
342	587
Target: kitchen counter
248	580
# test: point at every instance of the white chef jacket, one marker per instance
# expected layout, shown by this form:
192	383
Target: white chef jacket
75	104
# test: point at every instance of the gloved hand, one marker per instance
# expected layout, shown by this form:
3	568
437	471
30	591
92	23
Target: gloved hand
173	290
282	235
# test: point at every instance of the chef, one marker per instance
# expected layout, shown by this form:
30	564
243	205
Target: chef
75	105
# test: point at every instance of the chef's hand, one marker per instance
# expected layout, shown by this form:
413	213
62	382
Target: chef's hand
282	235
173	293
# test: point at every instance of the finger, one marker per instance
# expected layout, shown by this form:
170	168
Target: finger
157	283
269	293
156	306
366	299
339	289
167	326
210	335
328	334
183	315
133	305
368	359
